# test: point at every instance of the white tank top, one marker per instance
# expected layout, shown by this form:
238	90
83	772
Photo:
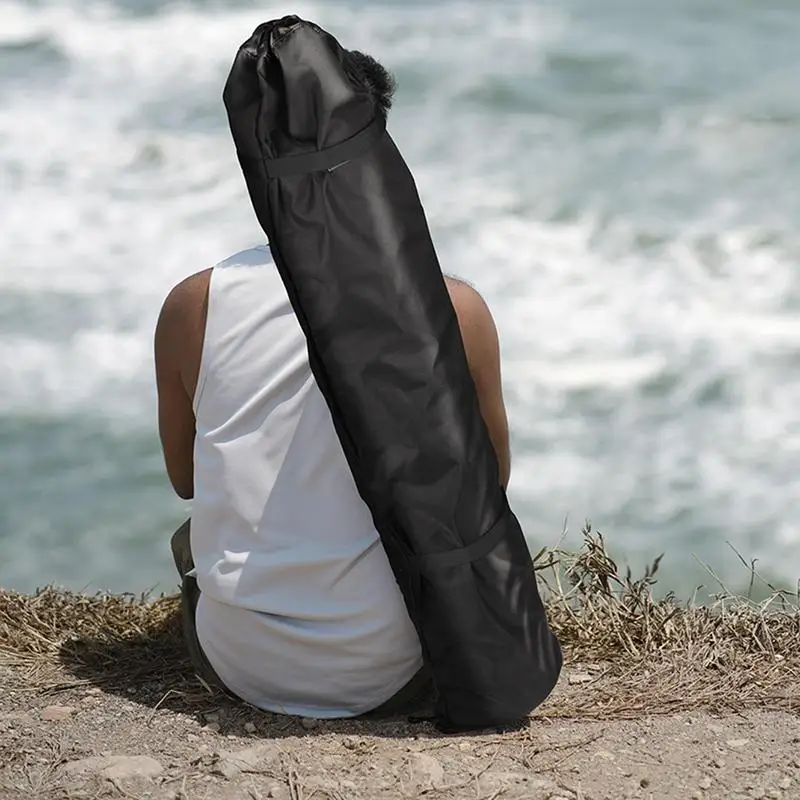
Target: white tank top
300	612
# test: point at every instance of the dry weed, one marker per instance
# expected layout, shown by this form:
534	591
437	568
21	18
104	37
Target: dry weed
661	655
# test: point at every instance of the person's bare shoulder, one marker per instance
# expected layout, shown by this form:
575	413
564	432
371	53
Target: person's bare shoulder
478	329
468	302
186	297
181	328
482	347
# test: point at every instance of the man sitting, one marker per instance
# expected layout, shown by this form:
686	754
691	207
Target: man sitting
289	601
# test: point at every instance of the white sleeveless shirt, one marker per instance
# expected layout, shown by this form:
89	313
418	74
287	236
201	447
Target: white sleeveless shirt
300	612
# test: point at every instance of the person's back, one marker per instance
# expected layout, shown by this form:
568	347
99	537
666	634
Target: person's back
299	611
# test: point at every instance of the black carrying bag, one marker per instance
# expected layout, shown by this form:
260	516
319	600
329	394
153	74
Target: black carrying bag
350	239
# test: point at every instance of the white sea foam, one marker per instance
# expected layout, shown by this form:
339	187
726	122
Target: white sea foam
115	203
639	253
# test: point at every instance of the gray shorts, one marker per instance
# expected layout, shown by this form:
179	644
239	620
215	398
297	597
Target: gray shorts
417	697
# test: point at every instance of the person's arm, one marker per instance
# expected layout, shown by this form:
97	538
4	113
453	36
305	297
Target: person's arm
176	422
482	345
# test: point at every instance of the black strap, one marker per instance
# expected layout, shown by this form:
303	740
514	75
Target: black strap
331	157
466	555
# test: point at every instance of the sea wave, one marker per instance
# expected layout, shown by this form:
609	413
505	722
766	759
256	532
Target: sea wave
622	190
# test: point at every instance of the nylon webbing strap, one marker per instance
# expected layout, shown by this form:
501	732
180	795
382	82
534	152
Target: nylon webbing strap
331	157
465	555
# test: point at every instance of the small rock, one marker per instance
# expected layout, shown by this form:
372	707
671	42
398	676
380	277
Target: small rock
706	783
758	794
577	678
785	783
775	794
697	795
465	747
191	737
125	767
94	691
644	783
716	729
211	717
605	755
719	763
230	765
427	769
734	744
57	713
18	719
117	768
212	727
249	727
540	784
308	723
279	792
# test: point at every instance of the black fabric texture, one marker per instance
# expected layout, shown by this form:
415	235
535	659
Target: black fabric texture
349	236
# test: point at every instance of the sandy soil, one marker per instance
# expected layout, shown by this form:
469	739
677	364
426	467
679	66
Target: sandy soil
87	743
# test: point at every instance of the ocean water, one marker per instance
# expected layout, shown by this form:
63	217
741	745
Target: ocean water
620	179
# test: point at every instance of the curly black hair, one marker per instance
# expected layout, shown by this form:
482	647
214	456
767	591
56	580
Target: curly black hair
368	72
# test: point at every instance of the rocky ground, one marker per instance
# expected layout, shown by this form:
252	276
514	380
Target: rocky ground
84	743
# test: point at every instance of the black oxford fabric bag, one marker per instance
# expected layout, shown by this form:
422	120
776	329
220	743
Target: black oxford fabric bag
349	236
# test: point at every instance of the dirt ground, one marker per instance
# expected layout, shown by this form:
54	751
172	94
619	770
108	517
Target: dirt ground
84	743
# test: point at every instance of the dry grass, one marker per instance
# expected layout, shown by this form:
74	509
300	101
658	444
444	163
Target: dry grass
663	656
628	652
